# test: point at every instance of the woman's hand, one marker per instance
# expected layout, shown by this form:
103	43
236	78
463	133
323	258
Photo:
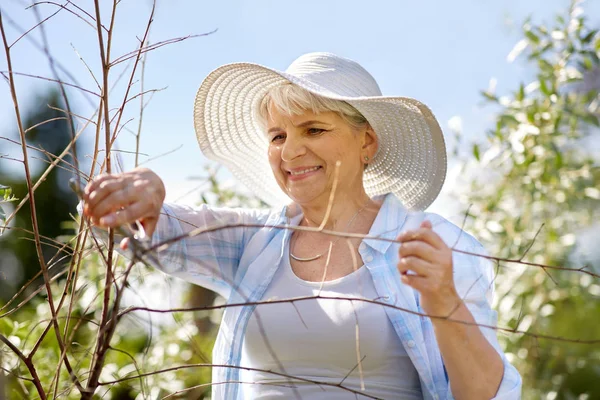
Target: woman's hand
425	254
117	199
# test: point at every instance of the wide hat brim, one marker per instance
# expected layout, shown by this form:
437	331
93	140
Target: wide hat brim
410	162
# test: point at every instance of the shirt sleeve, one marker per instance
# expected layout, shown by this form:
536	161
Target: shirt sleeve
210	242
210	245
474	281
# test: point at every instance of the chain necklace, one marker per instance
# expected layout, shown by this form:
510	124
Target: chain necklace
306	259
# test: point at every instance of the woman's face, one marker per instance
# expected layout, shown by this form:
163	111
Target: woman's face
304	150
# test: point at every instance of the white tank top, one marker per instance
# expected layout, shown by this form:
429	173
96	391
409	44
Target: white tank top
316	340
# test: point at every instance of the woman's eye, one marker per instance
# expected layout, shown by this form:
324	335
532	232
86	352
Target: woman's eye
278	137
315	131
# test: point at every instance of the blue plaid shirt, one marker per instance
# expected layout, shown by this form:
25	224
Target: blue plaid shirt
239	263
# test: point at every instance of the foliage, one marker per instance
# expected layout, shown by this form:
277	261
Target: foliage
6	196
138	346
142	343
541	173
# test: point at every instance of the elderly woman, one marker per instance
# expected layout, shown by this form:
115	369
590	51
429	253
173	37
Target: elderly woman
387	311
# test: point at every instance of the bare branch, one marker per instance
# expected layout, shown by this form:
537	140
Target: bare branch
283	375
10	72
32	198
377	302
154	46
62	7
33	27
30	366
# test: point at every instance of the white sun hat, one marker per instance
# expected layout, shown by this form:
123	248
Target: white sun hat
410	161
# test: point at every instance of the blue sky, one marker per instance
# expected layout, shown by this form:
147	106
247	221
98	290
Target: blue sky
440	52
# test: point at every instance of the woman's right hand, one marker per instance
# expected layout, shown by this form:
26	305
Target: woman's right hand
112	200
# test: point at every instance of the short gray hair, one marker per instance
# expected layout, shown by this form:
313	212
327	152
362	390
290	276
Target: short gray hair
293	100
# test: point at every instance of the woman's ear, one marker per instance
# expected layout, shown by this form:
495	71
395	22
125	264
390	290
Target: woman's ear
370	144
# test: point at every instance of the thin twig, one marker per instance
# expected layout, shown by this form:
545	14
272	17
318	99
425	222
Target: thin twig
154	46
198	231
365	300
66	9
283	375
28	363
142	106
10	72
32	207
33	27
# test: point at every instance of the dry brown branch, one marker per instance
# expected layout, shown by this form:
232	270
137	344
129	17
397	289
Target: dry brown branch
32	198
33	28
154	46
161	155
44	78
87	67
283	375
72	114
63	7
23	378
38	46
28	363
44	122
138	134
198	231
371	301
105	335
11	159
336	175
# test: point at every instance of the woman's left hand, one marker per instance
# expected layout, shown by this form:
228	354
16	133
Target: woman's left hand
425	254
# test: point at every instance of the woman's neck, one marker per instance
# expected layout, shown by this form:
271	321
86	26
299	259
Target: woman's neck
339	214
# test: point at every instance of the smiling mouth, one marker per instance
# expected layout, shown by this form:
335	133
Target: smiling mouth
304	171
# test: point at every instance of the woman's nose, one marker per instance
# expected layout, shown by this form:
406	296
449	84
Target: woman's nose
292	148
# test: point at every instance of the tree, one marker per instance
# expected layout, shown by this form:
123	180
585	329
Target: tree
545	177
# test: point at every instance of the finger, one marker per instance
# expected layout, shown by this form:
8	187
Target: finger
426	224
131	213
414	264
95	182
418	249
99	192
417	282
150	225
117	200
425	235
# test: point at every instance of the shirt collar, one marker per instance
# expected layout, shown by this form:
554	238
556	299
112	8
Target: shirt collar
387	224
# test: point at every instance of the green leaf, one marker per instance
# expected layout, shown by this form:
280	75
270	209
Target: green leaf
558	160
489	96
532	37
544	88
588	38
5	193
2	220
521	92
508	120
545	66
591	119
476	152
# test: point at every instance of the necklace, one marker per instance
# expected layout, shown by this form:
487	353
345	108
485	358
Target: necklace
306	259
